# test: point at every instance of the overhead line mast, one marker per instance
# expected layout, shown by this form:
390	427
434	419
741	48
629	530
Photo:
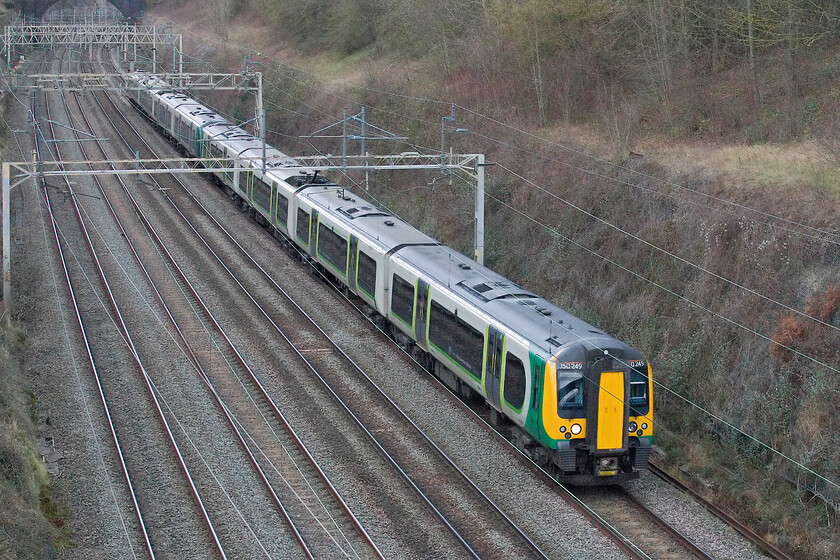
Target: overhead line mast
471	164
89	34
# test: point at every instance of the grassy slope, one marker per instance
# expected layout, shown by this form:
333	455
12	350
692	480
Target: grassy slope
28	517
782	399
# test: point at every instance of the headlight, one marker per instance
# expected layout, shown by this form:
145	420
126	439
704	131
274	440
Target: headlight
644	426
631	427
562	429
576	429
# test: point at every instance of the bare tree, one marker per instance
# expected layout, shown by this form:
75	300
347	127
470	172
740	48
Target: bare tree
220	13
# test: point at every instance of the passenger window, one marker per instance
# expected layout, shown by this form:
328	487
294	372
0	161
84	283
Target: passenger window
303	226
262	194
455	338
402	300
367	274
514	381
282	209
333	248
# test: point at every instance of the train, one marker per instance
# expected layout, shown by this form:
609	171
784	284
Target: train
576	400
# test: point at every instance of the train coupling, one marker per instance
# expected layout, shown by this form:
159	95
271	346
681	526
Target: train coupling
606	466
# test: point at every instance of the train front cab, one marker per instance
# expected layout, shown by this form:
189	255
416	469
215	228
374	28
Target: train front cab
597	406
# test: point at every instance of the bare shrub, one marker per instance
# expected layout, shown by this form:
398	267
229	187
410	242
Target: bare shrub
794	329
619	117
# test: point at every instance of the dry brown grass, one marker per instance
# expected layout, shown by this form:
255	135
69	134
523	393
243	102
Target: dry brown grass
787	167
824	306
794	329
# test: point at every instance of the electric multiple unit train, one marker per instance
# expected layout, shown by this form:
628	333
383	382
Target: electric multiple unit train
575	399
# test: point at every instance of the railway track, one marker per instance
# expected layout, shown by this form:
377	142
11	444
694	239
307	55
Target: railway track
320	355
647	534
422	465
316	515
109	347
768	548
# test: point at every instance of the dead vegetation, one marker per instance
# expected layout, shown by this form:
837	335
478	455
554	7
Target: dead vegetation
732	135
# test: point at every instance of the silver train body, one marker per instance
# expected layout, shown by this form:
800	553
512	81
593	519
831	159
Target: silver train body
574	398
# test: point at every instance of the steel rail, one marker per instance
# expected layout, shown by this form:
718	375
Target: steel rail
722	514
393	462
675	533
353	364
349	360
133	349
92	361
251	375
189	349
202	372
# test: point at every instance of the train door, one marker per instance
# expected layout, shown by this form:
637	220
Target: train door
611	411
313	234
422	307
351	268
607	407
493	375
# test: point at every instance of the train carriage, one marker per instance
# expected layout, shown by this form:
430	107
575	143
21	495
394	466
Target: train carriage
575	399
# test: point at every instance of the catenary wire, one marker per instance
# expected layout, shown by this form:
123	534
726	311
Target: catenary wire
537	138
664	251
658	179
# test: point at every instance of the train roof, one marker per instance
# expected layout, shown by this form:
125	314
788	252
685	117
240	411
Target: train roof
545	325
380	228
537	320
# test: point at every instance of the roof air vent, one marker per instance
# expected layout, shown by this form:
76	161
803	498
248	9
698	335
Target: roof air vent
465	266
389	222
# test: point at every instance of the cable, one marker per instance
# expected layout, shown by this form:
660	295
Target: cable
662	287
665	251
282	64
683	298
640	173
654	192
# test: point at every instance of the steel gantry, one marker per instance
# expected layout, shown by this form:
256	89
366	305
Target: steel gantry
251	82
15	173
102	12
89	35
69	81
